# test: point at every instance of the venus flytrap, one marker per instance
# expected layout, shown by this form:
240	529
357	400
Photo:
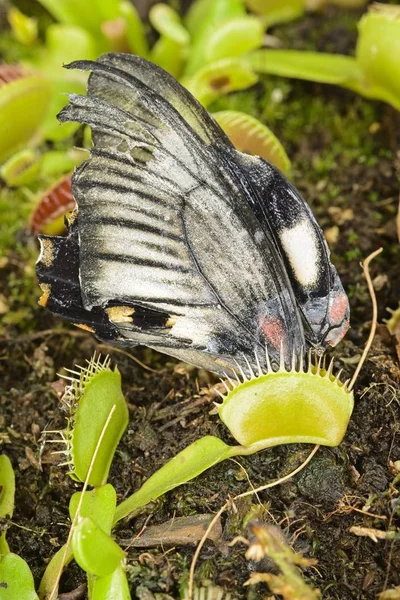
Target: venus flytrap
99	506
24	100
172	48
373	72
83	30
300	405
247	134
94	390
98	417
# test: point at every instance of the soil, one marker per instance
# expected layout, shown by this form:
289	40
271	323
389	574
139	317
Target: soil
345	153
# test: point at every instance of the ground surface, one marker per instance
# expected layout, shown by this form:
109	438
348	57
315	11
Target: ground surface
346	160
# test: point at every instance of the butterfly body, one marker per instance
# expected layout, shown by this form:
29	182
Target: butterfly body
182	243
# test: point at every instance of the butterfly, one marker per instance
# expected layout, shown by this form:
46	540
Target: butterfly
180	242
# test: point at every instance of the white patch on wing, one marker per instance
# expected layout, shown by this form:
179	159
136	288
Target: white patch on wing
300	245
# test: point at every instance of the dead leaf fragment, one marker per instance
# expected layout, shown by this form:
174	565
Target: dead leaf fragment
374	534
178	532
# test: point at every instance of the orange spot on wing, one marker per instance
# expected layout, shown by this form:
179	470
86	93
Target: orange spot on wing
338	308
272	328
85	327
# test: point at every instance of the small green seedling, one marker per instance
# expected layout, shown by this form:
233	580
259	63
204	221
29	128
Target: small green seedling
374	72
300	405
93	392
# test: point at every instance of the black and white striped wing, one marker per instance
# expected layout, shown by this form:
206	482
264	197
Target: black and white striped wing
170	252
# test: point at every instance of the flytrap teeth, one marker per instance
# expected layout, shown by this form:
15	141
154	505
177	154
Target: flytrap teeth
231	383
242	373
312	364
225	386
252	374
267	360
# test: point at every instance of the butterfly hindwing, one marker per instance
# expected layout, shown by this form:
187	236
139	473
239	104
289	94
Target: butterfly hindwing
288	220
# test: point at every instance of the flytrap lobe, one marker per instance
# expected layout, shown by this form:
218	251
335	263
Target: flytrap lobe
94	392
306	403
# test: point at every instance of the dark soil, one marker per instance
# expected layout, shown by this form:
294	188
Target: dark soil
346	159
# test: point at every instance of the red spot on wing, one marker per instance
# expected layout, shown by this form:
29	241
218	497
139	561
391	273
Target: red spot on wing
337	319
338	308
273	329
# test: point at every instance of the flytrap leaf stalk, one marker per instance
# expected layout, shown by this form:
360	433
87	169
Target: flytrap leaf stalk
374	71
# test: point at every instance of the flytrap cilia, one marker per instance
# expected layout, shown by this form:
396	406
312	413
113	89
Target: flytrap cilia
183	244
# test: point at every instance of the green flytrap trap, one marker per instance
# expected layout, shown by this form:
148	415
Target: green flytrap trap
306	403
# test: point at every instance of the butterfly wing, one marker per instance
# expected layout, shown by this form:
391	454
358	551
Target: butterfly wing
288	220
170	249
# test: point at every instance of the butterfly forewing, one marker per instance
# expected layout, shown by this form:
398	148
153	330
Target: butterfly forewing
174	248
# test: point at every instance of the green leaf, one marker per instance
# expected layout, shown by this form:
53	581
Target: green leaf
94	551
21	169
60	558
219	78
100	393
55	163
111	587
234	38
98	504
277	11
249	135
203	21
4	547
24	28
193	460
167	22
88	14
135	33
16	580
23	106
311	66
377	53
7	487
171	49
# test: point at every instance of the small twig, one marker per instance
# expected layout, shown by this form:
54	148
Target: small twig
75	594
200	546
31	337
228	503
374	534
53	594
365	267
282	479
